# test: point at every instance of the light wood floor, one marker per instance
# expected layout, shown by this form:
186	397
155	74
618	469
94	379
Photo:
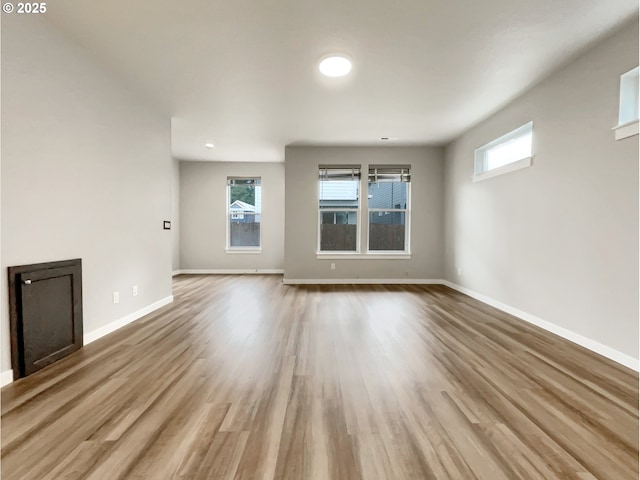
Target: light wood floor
244	378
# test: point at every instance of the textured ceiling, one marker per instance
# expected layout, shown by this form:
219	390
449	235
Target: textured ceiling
243	73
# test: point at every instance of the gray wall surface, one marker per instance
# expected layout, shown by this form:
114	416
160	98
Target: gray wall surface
86	172
558	240
175	215
301	226
203	216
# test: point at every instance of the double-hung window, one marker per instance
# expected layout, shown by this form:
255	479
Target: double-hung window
388	199
338	208
244	211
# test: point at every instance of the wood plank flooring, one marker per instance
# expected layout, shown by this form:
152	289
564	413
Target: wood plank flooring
245	378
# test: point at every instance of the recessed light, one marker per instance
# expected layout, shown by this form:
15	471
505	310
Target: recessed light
209	145
335	66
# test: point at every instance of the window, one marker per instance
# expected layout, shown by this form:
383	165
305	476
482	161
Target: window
338	208
628	111
244	200
505	154
388	195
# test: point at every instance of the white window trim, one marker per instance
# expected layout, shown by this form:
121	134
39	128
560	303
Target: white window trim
626	130
242	250
511	167
375	255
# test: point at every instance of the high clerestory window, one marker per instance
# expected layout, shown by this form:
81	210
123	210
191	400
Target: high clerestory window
507	153
628	109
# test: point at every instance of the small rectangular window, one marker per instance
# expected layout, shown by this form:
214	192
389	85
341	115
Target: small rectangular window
388	196
628	111
338	208
502	154
244	213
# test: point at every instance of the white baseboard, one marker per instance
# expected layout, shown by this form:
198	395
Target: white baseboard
256	271
361	281
605	351
176	272
6	378
113	326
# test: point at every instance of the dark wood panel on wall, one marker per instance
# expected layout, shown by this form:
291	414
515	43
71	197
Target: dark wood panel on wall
45	312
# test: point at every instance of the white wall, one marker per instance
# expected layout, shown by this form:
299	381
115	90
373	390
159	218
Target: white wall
86	172
203	216
301	226
558	240
175	215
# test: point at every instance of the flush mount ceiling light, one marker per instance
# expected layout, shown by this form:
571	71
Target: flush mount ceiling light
209	145
335	66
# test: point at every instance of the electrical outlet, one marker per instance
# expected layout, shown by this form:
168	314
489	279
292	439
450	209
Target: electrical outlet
135	290
459	271
333	266
116	297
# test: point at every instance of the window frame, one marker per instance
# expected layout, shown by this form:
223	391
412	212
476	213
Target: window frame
357	210
404	173
480	170
628	117
242	249
362	216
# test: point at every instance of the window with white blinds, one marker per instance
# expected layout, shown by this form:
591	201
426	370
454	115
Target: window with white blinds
382	228
388	208
338	208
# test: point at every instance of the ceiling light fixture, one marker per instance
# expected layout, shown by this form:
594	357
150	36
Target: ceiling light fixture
209	145
335	66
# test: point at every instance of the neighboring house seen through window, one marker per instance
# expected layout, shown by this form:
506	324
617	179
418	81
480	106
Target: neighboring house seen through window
244	209
338	208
